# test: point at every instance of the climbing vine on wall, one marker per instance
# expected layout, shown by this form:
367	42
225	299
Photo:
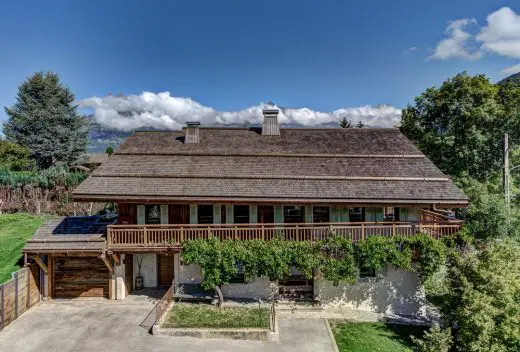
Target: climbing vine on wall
337	257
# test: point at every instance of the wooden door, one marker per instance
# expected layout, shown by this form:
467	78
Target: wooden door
265	214
129	273
179	214
166	270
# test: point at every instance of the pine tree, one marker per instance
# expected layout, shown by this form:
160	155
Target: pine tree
45	121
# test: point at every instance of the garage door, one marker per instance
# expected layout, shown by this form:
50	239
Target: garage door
80	277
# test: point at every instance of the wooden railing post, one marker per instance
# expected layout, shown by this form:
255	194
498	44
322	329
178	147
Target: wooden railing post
263	233
363	232
393	229
181	239
145	236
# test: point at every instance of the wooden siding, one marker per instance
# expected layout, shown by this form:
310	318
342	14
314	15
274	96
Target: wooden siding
128	209
80	277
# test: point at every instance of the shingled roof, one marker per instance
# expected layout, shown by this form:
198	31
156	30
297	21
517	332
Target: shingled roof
70	234
333	165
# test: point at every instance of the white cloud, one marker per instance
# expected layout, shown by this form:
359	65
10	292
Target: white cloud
410	50
502	33
511	70
459	42
163	111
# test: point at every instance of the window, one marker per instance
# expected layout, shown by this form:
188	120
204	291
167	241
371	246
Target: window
205	214
265	214
240	276
293	214
356	214
241	214
152	214
367	272
391	214
321	214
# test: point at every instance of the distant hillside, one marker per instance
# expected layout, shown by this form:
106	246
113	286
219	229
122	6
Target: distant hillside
514	79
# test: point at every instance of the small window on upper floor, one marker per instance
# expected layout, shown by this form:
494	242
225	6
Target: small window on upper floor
391	214
152	214
320	214
241	214
356	214
293	214
205	214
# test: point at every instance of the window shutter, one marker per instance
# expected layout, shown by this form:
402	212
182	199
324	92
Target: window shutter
370	215
229	214
164	214
278	214
379	214
193	213
216	213
253	214
140	215
403	214
309	214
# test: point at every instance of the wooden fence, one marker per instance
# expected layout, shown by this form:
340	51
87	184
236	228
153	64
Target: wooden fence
149	236
19	294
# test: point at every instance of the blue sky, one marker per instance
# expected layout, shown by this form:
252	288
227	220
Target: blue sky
232	55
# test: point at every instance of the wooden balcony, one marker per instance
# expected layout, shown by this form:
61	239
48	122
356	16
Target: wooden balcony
141	237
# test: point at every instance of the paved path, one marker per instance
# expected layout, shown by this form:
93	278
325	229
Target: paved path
114	326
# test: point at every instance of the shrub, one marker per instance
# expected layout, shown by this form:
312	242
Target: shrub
434	340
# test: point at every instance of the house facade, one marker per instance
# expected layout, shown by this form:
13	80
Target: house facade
247	183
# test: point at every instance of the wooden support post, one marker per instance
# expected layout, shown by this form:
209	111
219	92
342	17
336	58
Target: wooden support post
38	260
117	259
50	277
107	262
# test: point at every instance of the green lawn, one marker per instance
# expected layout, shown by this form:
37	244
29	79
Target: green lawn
374	337
207	316
14	230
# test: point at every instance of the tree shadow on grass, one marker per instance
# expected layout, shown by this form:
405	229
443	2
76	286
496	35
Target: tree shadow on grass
402	333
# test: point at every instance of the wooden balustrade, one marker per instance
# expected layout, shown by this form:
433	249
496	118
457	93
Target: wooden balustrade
150	236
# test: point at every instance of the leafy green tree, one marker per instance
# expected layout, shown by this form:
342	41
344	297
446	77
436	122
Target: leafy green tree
487	216
109	150
44	120
14	157
344	123
459	126
434	340
484	297
360	124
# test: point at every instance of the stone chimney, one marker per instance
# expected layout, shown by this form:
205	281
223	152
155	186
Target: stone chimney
270	126
192	132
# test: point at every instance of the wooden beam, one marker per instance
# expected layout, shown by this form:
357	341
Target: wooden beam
38	260
107	262
117	258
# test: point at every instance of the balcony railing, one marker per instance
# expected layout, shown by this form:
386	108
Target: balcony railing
150	236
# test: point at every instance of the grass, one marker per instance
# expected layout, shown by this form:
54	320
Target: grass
206	316
374	337
15	229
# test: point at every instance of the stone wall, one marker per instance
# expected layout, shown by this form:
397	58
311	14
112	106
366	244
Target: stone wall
391	292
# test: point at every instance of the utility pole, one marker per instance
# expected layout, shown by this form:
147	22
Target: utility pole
507	191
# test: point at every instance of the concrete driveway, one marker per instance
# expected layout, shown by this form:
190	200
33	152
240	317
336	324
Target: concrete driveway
115	326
